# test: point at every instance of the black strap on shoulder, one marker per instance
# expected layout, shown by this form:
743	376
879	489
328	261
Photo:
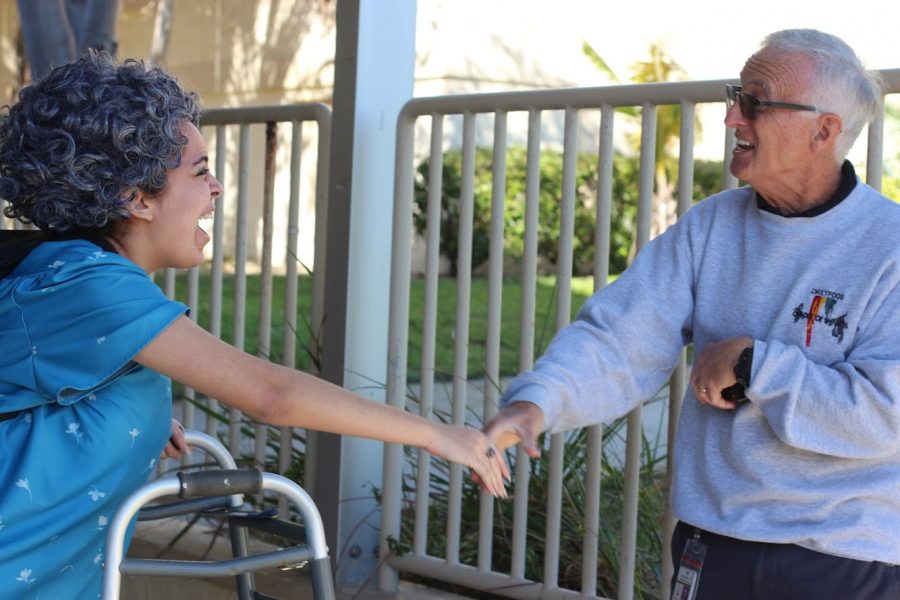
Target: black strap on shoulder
16	244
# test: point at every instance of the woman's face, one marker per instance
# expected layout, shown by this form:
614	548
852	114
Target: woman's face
176	238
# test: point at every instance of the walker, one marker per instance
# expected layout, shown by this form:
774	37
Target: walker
221	489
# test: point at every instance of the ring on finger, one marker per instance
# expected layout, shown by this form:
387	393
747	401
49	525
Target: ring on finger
490	452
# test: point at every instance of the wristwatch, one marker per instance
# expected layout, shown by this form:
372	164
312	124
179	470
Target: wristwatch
742	369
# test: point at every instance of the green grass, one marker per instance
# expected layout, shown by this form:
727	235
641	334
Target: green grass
545	309
252	312
511	308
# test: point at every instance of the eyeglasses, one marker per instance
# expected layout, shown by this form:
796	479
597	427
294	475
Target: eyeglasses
751	105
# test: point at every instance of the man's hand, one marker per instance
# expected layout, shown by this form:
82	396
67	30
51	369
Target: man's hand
517	422
714	371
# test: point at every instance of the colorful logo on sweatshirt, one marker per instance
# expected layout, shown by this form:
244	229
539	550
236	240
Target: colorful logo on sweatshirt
821	310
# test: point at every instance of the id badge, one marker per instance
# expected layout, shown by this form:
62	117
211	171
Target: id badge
687	581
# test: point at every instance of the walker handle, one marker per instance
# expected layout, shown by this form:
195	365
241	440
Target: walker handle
224	482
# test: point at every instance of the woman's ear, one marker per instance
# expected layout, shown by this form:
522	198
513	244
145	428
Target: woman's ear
141	207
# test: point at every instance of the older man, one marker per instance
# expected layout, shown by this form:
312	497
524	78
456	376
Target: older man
787	456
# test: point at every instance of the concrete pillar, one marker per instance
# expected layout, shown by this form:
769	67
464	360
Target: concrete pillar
374	70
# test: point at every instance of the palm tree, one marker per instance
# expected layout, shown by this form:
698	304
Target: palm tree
659	67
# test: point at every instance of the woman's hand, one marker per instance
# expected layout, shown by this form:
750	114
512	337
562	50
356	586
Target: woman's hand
177	446
472	448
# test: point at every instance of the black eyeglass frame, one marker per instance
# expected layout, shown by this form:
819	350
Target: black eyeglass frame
750	105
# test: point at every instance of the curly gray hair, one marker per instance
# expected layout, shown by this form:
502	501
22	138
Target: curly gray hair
81	141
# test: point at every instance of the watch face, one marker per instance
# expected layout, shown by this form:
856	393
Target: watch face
734	393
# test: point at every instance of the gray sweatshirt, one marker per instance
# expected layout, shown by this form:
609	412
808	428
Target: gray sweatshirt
814	458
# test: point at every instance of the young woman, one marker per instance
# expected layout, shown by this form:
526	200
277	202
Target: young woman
107	161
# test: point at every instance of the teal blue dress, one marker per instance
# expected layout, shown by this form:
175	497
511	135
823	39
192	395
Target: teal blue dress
89	422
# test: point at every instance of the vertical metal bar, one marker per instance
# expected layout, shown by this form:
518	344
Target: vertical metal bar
240	273
526	332
264	334
289	347
602	233
170	282
323	159
461	340
492	334
633	440
429	324
875	149
218	265
193	301
728	180
563	316
317	308
686	157
646	175
679	377
398	336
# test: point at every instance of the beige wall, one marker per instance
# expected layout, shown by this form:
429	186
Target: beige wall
233	53
241	52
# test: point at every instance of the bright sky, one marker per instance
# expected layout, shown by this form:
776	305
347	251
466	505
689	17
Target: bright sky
712	38
521	44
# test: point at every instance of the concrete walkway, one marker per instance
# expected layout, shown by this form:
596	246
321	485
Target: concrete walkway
155	540
152	540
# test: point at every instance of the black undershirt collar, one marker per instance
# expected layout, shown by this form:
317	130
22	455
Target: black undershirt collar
848	182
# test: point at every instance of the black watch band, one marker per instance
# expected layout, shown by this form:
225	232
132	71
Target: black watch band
744	367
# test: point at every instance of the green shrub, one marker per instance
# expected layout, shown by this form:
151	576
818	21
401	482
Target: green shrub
651	503
707	180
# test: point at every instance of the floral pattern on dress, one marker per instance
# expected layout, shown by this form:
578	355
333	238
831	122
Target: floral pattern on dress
74	414
73	430
25	577
96	494
23	483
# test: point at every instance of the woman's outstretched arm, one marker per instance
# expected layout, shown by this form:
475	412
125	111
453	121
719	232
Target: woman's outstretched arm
281	396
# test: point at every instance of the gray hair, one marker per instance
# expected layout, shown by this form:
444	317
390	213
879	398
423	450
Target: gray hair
841	84
84	139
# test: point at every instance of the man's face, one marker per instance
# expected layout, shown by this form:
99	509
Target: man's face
774	151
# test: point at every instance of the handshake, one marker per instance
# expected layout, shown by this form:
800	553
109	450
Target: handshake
518	422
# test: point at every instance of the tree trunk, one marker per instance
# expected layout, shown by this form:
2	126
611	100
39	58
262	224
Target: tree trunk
162	27
98	29
47	33
56	32
664	204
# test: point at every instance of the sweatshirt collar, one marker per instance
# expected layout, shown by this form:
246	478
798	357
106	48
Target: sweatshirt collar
848	182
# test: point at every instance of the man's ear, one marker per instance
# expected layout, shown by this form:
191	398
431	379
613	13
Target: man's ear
141	207
830	126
